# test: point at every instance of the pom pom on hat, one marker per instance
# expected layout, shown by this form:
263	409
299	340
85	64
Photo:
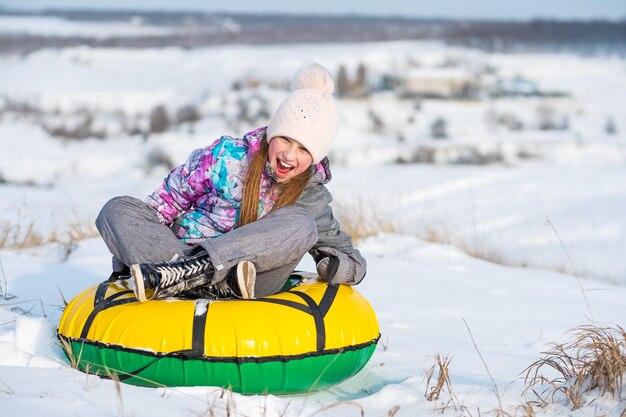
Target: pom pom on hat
308	114
314	77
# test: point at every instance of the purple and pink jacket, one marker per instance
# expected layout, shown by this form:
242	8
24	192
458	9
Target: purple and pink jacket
203	196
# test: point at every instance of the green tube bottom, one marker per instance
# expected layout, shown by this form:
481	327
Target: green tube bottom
284	375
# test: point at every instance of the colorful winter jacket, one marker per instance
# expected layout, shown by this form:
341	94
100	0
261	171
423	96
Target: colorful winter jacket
204	194
202	198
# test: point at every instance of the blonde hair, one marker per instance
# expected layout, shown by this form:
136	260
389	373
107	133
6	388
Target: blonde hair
288	191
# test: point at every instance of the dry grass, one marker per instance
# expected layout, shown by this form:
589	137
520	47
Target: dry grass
67	347
437	386
8	389
384	343
571	264
472	248
18	237
442	366
500	410
118	392
360	222
593	359
4	291
342	403
526	410
222	401
80	231
29	306
363	223
439	389
22	237
393	410
63	300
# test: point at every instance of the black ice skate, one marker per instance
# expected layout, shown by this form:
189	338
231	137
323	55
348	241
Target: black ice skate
239	284
167	279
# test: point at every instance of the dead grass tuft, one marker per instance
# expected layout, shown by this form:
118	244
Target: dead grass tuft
81	231
441	365
118	393
16	236
63	300
526	410
594	359
393	410
67	348
437	387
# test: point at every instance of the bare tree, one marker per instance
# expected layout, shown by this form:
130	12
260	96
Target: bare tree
188	114
343	83
159	120
378	125
360	87
439	129
610	127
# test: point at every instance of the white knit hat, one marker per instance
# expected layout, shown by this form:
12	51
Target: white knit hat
309	114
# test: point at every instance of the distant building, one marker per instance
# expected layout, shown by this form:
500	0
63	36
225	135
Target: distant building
514	87
439	83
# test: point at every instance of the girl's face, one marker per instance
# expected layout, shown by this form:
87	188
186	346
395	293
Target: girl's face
288	157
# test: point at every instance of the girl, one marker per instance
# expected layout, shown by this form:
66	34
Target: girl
238	216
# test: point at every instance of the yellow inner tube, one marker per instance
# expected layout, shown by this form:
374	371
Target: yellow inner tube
313	323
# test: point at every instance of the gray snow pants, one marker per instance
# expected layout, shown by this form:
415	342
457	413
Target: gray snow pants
275	243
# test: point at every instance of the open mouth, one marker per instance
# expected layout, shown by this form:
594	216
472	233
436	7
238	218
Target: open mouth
283	168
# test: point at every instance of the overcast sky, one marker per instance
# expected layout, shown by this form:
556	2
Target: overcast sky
500	9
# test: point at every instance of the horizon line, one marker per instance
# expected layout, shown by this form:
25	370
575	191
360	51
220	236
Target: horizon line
130	10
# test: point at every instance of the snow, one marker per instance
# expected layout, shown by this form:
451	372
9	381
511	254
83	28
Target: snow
538	214
421	292
546	230
201	308
58	27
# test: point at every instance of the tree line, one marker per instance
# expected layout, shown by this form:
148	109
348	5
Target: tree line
199	29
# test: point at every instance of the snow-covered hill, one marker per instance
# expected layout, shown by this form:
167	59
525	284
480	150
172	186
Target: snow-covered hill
536	183
422	293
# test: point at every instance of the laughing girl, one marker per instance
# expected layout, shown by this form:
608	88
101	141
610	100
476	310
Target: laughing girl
237	217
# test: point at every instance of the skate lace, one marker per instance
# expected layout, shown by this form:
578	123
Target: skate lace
222	289
172	274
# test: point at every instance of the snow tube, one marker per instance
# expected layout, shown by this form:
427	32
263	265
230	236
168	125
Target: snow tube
306	338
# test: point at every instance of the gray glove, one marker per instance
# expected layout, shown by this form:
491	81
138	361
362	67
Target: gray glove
327	267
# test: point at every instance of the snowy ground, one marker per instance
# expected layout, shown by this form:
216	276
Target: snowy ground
421	292
561	210
58	27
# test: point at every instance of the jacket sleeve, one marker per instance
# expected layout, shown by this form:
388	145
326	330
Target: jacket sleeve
332	241
184	184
